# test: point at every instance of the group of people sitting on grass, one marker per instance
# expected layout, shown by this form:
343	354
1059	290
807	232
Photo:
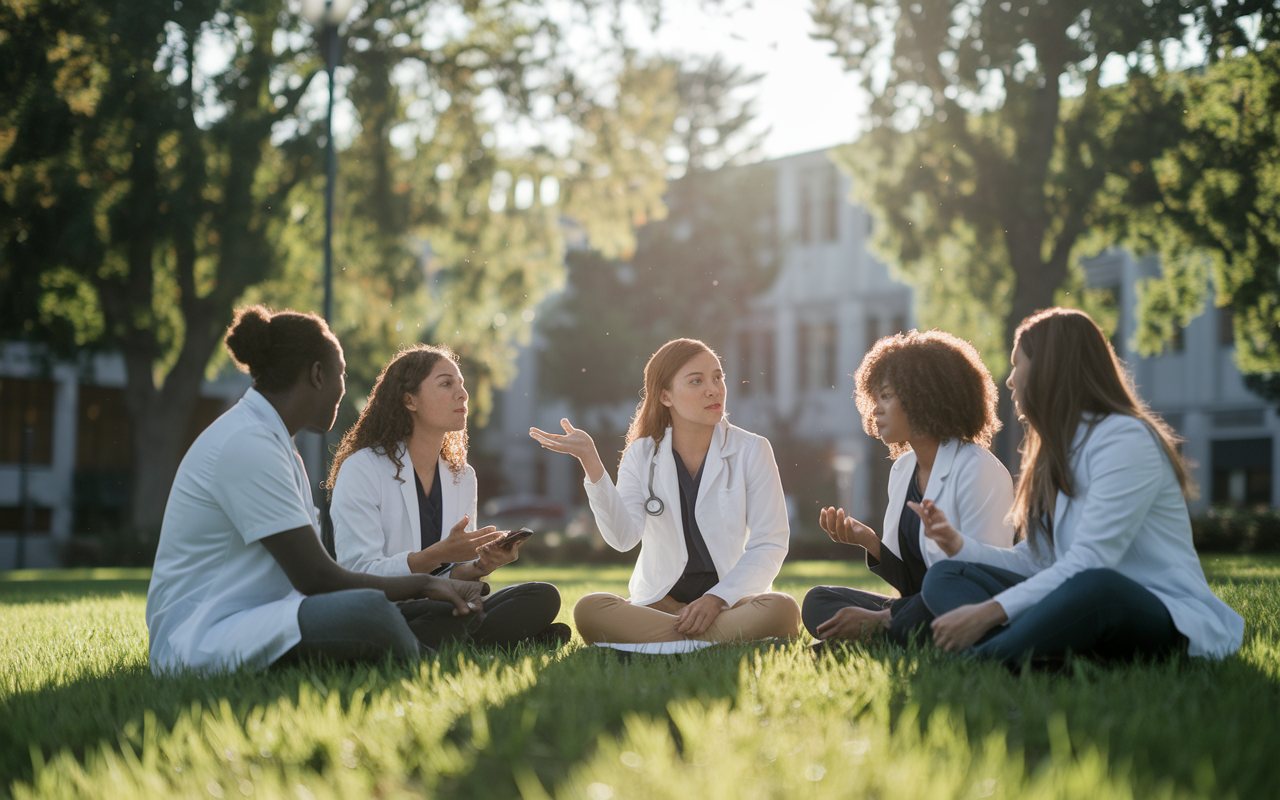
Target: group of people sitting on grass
1090	552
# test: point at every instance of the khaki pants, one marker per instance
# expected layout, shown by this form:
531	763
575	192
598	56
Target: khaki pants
607	618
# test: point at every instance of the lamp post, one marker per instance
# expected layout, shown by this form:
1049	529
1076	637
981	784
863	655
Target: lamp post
327	18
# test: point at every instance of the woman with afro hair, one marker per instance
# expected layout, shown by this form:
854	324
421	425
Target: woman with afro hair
928	396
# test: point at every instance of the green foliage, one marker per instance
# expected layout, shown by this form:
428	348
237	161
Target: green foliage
991	135
85	718
145	191
692	272
1209	208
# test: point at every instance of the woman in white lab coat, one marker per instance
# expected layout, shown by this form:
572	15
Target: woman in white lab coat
1107	567
930	398
404	497
703	500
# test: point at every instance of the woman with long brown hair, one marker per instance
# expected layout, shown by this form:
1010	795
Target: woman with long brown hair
1107	566
703	499
404	496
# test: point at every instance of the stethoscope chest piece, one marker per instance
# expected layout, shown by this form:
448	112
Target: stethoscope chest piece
653	506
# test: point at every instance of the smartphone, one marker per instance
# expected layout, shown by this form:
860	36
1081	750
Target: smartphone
515	537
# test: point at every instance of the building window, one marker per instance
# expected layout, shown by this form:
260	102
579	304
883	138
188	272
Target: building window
1241	472
11	520
872	331
806	210
26	404
832	217
755	361
804	354
1226	328
744	362
825	354
899	324
764	372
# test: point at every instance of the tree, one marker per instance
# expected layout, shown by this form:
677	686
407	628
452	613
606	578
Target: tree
159	159
692	271
992	133
1208	207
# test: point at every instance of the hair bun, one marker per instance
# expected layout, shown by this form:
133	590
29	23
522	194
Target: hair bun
249	338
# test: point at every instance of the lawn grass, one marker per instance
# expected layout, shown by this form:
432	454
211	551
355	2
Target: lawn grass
80	715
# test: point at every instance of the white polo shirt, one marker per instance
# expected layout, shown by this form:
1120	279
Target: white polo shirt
218	600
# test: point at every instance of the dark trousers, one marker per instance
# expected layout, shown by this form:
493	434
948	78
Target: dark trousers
910	617
1097	612
362	625
510	615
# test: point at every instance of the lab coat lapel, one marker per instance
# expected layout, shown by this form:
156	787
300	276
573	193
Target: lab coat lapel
409	491
666	483
899	474
943	461
716	460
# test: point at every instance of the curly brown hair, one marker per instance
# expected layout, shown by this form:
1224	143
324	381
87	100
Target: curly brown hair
385	422
940	381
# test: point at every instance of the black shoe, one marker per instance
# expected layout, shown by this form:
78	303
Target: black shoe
554	636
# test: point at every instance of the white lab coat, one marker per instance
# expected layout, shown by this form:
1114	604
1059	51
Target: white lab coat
375	514
218	599
971	487
1128	515
740	509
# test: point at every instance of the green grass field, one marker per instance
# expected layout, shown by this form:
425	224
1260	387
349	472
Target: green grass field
80	715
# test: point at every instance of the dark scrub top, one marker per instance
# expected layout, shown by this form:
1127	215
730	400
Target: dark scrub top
430	509
699	571
906	572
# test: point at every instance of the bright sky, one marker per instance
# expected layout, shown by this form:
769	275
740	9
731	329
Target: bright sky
806	98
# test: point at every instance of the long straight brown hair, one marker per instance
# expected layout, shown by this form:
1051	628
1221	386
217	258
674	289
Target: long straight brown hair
653	418
1073	371
385	422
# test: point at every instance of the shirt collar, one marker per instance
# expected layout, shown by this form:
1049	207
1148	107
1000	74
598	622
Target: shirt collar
261	408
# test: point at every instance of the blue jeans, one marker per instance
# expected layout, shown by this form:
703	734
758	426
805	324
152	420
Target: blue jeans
1097	612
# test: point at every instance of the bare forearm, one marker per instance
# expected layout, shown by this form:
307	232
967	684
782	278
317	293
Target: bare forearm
592	465
871	543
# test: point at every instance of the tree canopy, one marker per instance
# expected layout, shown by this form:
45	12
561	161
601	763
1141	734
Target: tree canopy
995	125
160	163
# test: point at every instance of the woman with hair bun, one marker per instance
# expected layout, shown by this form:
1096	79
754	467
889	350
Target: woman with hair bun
1106	566
404	497
703	500
929	397
240	576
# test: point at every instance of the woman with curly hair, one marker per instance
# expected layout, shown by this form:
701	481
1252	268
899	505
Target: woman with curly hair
1107	567
401	476
929	397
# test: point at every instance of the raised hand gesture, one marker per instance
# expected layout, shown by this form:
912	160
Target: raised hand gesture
844	529
937	528
575	442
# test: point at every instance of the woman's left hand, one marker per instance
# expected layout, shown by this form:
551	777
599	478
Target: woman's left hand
696	618
960	628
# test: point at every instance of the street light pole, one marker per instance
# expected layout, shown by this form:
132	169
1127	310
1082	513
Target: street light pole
331	44
327	17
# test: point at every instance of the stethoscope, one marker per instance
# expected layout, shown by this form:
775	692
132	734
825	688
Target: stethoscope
653	506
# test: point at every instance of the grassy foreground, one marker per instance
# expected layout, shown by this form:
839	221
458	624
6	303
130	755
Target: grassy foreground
80	715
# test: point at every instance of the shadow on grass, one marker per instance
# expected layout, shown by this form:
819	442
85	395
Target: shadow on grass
1201	727
585	692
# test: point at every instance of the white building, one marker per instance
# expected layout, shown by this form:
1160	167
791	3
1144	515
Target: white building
78	463
790	360
1232	434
